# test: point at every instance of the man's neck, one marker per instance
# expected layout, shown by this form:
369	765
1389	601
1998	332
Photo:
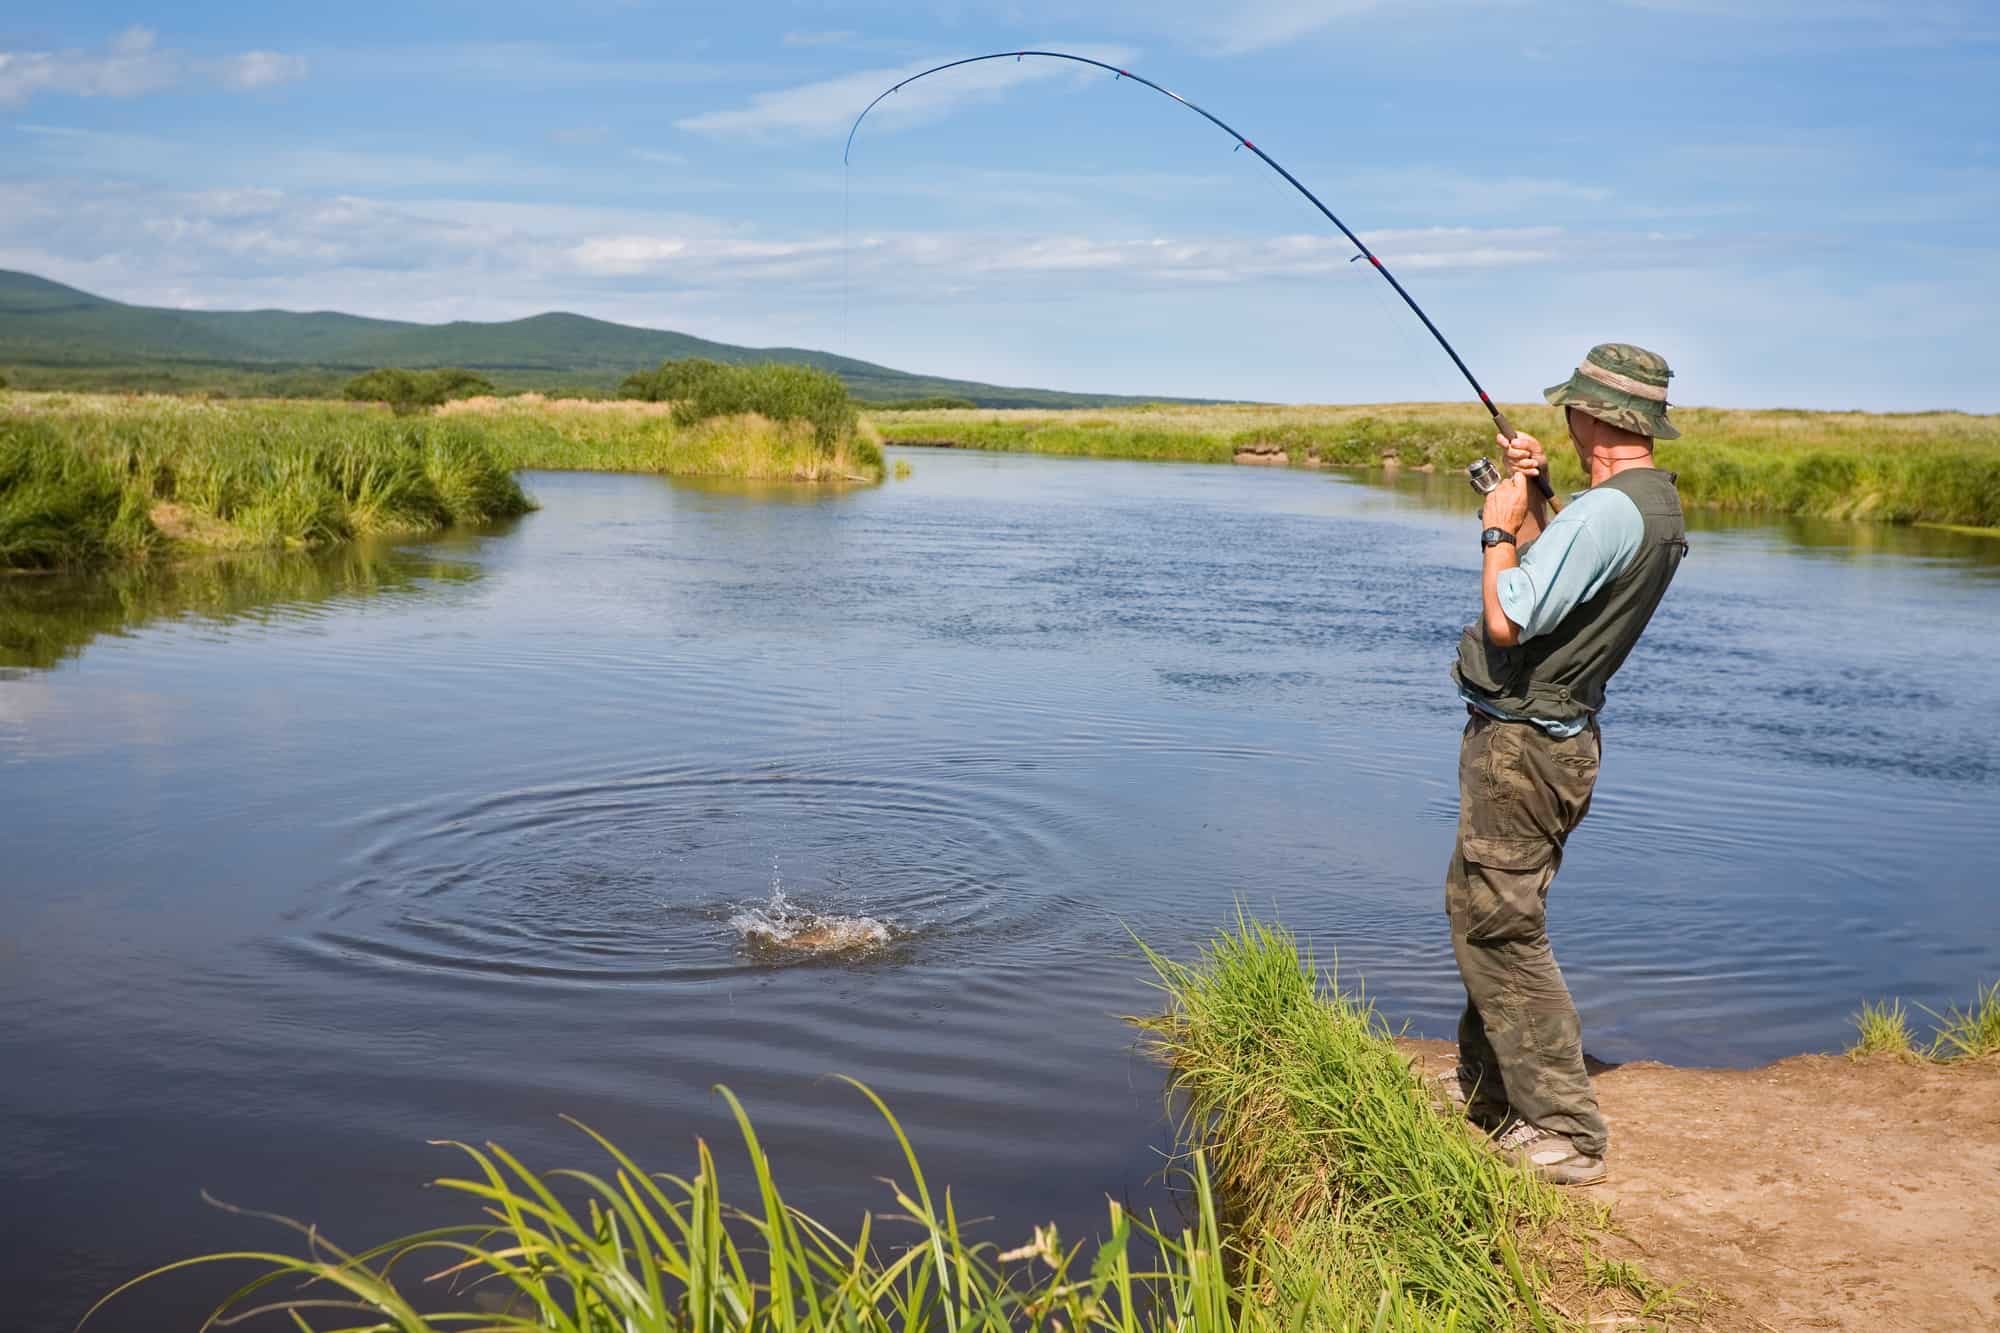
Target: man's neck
1604	468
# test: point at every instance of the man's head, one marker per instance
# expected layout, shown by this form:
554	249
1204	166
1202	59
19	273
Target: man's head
1620	386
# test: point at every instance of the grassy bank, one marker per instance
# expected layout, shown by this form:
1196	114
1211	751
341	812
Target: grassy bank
1935	467
623	436
95	480
1322	1137
90	480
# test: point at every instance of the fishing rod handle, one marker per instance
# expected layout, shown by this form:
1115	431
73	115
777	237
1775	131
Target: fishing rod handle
1541	478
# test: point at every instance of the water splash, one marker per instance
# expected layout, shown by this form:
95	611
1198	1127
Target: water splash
778	926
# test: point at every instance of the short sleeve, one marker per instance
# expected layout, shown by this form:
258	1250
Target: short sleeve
1588	544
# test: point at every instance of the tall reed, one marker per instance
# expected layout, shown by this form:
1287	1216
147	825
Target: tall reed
89	480
622	1250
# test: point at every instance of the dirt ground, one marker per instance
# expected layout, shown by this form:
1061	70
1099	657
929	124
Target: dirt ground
1815	1193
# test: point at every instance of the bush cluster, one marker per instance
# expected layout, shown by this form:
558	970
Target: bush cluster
701	389
410	391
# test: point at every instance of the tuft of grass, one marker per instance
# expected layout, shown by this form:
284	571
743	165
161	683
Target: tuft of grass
1969	1033
1958	1034
1322	1136
622	1250
1881	1028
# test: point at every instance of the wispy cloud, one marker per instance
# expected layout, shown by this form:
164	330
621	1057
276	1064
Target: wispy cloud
825	109
134	64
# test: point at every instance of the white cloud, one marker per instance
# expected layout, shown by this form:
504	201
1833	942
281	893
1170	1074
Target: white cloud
134	64
837	38
826	109
259	69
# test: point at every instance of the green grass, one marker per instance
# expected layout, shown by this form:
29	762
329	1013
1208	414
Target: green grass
1971	1032
90	481
1934	467
623	1250
1883	1028
1322	1136
529	432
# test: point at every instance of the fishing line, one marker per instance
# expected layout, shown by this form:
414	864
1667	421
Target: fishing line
1363	252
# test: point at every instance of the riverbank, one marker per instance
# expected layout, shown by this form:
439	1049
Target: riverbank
1817	1192
1933	467
588	435
97	479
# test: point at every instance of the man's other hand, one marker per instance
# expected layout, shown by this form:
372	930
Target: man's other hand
1524	454
1507	504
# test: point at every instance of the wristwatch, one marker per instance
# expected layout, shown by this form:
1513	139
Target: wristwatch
1494	536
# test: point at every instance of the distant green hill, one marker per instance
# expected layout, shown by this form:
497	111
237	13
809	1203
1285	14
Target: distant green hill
58	337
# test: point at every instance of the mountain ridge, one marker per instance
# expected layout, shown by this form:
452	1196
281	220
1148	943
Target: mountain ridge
55	335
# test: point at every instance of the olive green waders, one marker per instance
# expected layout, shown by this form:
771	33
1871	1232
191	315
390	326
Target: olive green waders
1520	793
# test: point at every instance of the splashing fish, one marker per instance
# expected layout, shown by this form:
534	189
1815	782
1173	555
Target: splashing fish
780	926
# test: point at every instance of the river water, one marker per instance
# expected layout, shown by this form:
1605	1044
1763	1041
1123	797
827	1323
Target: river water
310	861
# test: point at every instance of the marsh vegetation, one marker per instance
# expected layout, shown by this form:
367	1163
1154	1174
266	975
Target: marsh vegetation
98	479
1930	467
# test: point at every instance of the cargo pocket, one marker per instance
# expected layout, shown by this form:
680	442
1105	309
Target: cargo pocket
1506	883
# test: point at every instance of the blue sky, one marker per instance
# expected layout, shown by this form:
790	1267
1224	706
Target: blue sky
1795	202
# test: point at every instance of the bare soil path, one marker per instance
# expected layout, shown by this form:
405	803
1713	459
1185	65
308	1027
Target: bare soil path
1815	1193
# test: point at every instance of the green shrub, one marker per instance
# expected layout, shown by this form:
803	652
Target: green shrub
778	392
410	391
672	380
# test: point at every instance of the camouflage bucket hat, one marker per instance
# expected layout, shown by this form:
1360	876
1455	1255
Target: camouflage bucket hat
1621	384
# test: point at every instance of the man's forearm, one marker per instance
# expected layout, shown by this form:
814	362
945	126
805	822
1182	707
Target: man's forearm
1500	631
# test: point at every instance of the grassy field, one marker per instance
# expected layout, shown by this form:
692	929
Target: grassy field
1341	1199
91	480
1934	467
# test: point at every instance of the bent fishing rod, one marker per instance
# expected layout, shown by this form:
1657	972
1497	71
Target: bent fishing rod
1499	420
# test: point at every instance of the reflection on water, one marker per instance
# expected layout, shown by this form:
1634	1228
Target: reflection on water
310	861
45	619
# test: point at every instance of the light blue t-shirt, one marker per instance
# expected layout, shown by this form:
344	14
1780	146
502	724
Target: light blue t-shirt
1584	547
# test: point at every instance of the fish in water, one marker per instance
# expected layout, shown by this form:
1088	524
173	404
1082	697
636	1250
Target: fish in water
780	926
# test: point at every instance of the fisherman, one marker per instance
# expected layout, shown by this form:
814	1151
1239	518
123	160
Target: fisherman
1564	601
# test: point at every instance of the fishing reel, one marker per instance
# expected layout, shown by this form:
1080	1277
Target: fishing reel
1484	477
